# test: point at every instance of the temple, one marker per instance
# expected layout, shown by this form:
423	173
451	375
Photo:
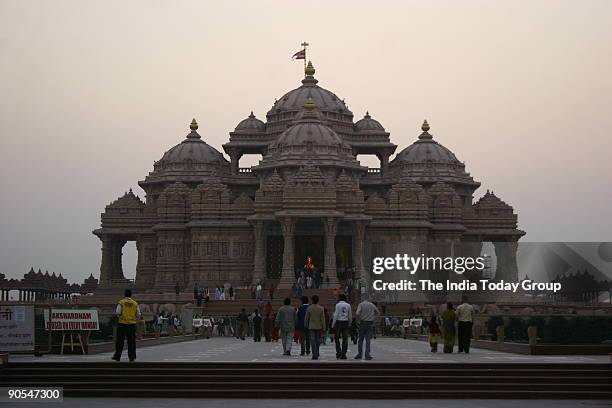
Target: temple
307	205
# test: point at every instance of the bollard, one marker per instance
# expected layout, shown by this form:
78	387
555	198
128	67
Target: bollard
532	333
500	331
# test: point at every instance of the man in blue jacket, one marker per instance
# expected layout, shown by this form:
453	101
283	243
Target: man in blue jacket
302	330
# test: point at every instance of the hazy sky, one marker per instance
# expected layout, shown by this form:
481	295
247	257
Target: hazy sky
91	93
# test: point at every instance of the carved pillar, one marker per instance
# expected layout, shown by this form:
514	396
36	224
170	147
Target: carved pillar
331	226
106	266
287	274
259	266
507	268
117	259
235	156
384	164
383	156
359	236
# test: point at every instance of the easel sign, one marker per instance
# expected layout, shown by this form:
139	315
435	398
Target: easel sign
74	324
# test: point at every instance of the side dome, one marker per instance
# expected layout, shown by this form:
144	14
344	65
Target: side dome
427	161
367	124
309	140
192	160
329	104
250	125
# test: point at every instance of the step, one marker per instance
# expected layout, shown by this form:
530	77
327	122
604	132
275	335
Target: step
337	393
355	386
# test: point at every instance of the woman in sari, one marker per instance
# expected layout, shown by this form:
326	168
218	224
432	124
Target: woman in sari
448	328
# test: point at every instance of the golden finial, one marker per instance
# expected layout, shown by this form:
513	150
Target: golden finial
309	105
309	70
425	126
194	125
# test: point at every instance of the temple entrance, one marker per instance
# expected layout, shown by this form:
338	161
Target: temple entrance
309	259
309	253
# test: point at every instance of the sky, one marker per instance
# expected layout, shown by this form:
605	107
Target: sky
92	93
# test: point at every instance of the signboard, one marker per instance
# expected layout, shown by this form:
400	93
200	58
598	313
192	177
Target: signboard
416	322
197	323
206	323
16	328
71	319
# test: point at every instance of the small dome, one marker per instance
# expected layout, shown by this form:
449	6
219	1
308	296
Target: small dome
189	161
367	124
251	124
428	161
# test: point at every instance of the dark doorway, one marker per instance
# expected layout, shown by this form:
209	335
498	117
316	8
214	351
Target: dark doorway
344	257
274	256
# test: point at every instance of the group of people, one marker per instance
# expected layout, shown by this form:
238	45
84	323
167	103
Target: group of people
221	293
257	290
454	322
309	321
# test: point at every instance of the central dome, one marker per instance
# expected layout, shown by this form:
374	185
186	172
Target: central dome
310	140
328	103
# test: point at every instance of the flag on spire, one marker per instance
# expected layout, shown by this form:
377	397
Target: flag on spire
301	54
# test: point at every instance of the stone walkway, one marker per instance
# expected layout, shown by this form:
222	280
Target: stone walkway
383	350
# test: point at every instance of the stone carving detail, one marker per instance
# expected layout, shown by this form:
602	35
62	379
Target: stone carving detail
446	204
408	200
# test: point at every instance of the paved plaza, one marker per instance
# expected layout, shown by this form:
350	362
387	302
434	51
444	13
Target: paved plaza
383	349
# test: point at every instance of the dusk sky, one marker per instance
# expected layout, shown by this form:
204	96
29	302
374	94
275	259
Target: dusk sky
92	93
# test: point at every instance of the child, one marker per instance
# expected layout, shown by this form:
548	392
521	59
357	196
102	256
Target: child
434	332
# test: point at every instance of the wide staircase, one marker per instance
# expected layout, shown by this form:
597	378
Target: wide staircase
316	380
218	308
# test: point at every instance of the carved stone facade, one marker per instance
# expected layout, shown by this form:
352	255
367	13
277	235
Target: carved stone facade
206	221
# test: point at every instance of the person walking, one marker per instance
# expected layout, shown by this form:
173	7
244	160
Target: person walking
302	329
128	313
267	308
315	323
257	326
268	324
448	328
366	313
271	291
242	322
434	333
285	321
465	319
342	319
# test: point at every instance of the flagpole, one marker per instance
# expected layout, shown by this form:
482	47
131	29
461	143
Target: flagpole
305	44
